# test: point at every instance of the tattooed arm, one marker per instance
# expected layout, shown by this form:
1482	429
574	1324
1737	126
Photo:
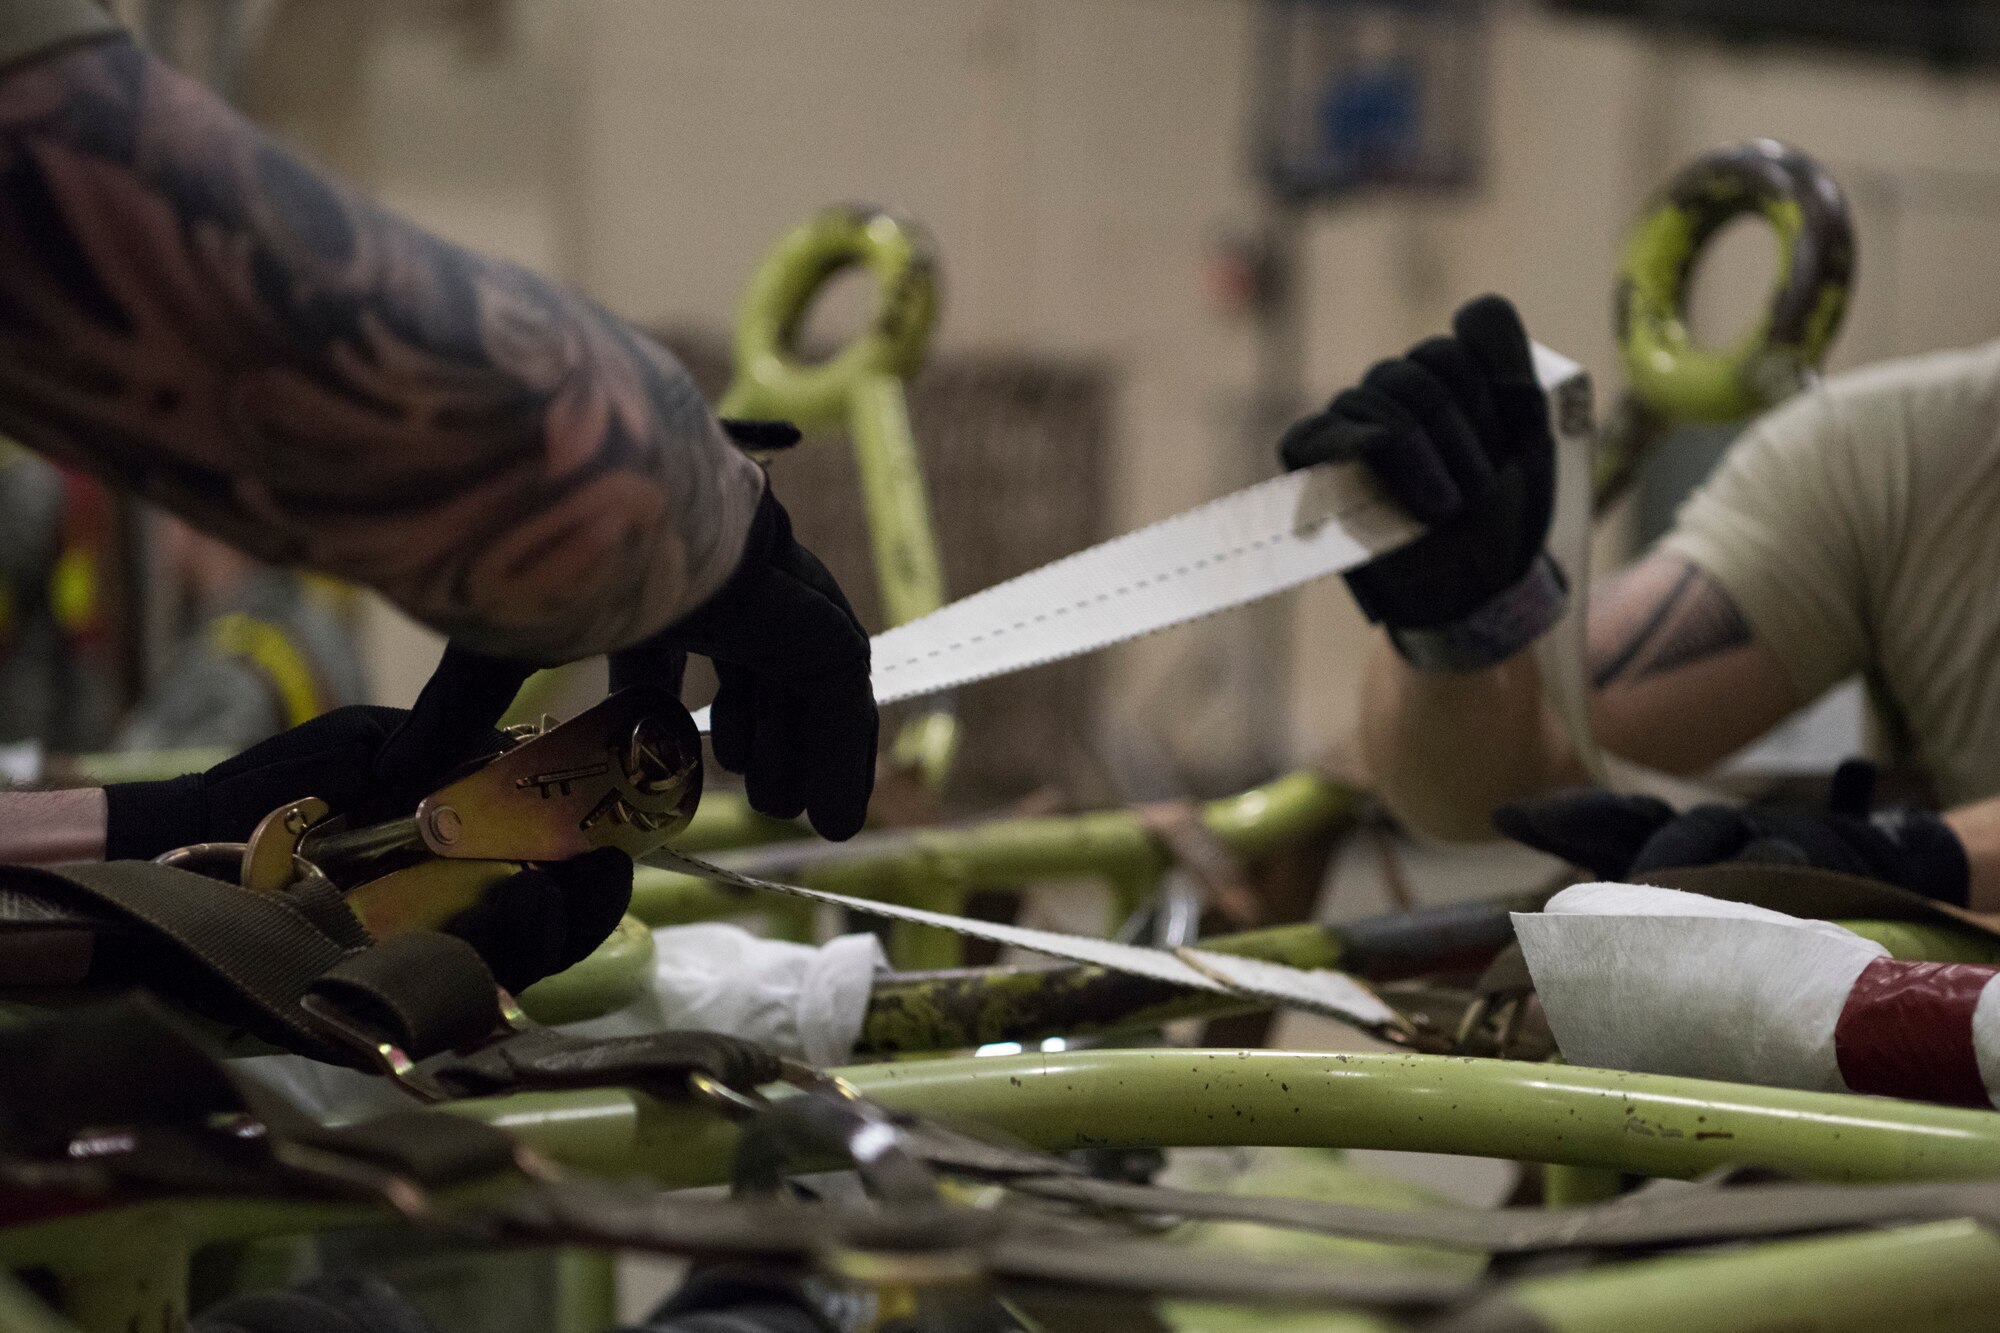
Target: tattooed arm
1678	683
194	314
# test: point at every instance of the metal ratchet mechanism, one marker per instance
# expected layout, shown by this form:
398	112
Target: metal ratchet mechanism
625	774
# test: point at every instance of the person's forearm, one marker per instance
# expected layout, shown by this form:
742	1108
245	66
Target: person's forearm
193	313
1978	829
46	827
1443	748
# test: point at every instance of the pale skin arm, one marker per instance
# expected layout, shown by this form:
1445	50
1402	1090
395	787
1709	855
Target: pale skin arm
39	828
1978	827
1678	683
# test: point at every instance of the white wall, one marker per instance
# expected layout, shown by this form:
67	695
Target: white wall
1074	156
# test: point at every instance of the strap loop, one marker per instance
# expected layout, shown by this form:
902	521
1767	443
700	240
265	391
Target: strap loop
659	1063
427	992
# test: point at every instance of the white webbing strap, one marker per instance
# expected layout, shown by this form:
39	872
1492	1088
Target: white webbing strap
1331	994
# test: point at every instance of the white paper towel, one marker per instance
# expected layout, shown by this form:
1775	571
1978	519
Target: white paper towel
1643	978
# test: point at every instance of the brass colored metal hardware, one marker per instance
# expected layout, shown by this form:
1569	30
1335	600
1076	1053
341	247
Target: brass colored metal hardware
271	859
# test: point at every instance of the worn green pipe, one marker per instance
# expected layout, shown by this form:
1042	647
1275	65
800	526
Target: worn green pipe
1918	941
955	1010
908	569
1938	1277
616	973
725	819
1010	852
1645	1123
21	1311
97	770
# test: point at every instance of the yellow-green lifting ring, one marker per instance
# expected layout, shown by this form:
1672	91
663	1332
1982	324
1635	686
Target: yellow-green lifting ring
1806	209
859	388
771	381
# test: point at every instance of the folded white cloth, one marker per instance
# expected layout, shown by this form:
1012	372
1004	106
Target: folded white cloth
799	1000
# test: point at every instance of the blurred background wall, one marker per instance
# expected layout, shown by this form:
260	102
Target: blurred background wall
1077	161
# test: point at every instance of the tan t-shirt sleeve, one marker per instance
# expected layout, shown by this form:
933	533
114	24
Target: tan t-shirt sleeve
30	27
1794	526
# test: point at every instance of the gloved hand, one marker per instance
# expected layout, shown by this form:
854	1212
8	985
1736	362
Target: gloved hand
1622	837
794	712
366	762
1457	433
374	764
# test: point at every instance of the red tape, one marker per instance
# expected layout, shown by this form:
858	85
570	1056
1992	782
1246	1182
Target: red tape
1906	1031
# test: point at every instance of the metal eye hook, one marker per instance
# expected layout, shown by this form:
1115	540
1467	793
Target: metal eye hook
203	853
377	1048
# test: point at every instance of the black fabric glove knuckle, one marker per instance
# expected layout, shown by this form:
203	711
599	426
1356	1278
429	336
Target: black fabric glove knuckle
1403	457
1490	329
451	722
1598	830
1493	334
1453	367
1442	423
804	566
363	1304
517	926
1628	837
733	718
1330	438
331	757
1458	434
1705	835
1934	860
773	782
794	712
596	890
760	436
843	770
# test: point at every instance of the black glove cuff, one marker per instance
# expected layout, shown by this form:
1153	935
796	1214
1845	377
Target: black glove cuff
1506	623
143	819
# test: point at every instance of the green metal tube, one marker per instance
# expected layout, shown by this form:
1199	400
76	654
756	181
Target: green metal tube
1915	941
1105	843
899	513
22	1312
1939	1277
915	946
97	770
1644	1123
956	1010
615	973
725	819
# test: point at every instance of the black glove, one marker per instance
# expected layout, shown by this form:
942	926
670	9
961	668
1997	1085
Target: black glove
1457	432
373	764
795	711
368	763
1622	837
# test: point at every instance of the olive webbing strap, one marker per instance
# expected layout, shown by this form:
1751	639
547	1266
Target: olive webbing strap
659	1063
126	1067
431	992
1076	1255
1667	1215
1684	1216
246	958
240	957
1012	1247
1808	891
